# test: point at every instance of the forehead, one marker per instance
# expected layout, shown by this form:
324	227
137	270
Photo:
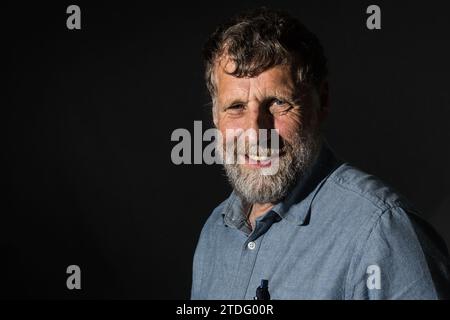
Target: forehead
277	80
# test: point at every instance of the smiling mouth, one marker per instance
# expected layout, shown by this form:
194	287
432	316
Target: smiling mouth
260	161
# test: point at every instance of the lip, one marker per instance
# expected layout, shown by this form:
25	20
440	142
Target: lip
260	162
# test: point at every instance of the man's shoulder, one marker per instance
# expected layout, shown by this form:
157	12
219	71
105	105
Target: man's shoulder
363	204
353	187
382	217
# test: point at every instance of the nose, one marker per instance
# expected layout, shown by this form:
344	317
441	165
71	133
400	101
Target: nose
260	118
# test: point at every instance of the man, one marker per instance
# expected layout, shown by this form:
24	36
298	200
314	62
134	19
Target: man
318	228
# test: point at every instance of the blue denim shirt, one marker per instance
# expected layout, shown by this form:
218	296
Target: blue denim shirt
340	234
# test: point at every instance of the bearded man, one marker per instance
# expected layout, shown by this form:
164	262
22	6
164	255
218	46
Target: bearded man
317	227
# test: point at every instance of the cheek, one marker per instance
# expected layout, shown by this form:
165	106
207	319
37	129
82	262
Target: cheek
288	126
225	123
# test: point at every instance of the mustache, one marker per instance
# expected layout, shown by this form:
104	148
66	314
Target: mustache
259	148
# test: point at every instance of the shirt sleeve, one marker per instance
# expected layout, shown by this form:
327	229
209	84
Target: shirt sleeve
402	258
197	269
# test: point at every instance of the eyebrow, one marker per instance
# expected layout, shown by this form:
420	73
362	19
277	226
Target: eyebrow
288	94
285	94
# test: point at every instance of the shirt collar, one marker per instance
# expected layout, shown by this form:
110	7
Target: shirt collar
234	213
296	207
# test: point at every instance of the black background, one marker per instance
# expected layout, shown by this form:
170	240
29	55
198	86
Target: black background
89	114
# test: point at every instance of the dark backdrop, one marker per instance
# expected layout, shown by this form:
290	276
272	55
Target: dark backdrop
87	122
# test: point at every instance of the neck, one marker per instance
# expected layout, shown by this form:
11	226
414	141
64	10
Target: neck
257	210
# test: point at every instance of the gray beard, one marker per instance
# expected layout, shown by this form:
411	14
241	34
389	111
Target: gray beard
254	187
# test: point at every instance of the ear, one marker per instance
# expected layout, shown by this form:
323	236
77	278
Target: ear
324	101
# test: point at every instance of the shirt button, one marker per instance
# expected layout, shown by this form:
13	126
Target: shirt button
251	245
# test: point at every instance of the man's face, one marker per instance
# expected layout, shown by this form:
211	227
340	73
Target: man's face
270	100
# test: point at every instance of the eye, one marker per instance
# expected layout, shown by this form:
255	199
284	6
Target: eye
279	106
278	102
235	108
